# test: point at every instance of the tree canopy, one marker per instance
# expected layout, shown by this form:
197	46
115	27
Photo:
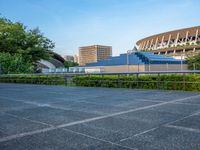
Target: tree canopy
21	48
31	44
12	64
194	62
70	64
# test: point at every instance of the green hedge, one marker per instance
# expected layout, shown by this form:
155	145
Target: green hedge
34	79
166	82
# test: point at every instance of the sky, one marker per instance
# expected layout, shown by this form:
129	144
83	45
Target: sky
117	23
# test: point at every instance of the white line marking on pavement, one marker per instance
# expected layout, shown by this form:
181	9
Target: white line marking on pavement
37	104
187	104
166	124
38	122
90	119
194	114
146	131
98	139
183	128
11	137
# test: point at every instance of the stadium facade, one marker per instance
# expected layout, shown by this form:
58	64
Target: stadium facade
182	42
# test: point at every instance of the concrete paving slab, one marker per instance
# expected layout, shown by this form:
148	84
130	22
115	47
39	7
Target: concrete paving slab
165	138
130	102
6	105
52	116
10	125
2	134
91	107
192	122
192	101
58	140
97	132
124	126
152	117
180	109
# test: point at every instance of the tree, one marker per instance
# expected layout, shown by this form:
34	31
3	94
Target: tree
194	62
16	39
70	64
10	64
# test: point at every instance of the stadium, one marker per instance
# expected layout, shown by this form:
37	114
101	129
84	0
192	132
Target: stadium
175	43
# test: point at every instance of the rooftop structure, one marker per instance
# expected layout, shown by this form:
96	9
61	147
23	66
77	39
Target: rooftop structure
55	62
174	43
134	62
135	59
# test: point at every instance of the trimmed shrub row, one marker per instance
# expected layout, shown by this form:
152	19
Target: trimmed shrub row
165	82
43	79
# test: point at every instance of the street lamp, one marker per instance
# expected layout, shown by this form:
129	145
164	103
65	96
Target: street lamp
149	66
194	66
127	59
181	62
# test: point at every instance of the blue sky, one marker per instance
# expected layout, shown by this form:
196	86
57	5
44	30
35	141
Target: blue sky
119	23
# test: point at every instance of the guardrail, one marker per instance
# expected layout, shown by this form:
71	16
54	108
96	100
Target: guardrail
138	73
109	73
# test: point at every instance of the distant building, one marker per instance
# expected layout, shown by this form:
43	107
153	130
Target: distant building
90	54
76	59
69	58
57	61
134	62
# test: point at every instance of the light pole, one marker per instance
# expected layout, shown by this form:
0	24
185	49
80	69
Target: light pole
181	62
127	59
149	66
167	66
194	66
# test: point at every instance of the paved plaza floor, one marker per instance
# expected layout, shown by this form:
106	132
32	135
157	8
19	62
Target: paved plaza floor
40	117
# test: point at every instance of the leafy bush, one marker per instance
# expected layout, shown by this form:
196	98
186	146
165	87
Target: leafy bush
10	64
166	82
35	79
194	62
